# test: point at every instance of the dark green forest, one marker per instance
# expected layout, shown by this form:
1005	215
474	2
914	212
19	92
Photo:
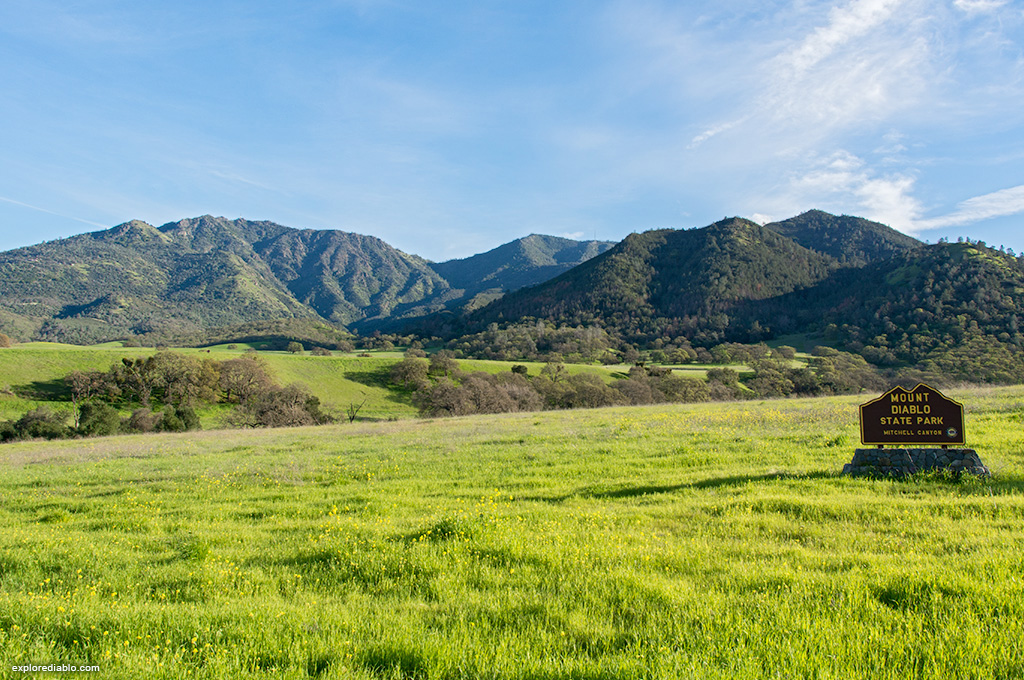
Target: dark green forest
947	310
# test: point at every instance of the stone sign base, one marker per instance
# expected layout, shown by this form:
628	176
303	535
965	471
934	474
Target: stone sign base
903	462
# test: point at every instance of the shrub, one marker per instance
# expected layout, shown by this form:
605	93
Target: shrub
244	377
7	431
678	388
142	420
725	376
410	373
289	406
97	419
444	398
42	422
188	417
443	363
170	422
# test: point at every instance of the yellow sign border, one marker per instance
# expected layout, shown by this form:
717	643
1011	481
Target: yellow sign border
860	414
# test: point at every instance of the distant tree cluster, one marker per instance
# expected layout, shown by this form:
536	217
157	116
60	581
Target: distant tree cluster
162	391
953	313
533	339
440	388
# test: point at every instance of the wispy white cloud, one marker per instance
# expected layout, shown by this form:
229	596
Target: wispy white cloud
51	212
843	183
715	130
996	204
855	20
868	61
979	6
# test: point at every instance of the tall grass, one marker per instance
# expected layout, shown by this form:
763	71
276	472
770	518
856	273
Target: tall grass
707	541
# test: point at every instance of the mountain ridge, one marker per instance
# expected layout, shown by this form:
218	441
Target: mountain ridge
203	272
860	285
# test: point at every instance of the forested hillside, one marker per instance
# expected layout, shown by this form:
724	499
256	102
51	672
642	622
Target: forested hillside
669	282
950	309
186	278
852	241
954	308
523	262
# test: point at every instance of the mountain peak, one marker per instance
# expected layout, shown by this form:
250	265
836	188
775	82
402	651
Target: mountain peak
523	262
133	232
850	240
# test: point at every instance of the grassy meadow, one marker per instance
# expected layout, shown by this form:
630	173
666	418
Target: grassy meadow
682	541
31	375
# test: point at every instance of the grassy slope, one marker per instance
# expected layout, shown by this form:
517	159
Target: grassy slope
33	373
707	541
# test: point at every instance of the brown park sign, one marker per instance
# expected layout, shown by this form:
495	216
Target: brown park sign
922	415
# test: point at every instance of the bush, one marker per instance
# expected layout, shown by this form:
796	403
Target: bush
142	420
443	363
410	373
188	417
42	422
444	398
8	432
244	377
678	388
170	422
725	376
97	419
289	406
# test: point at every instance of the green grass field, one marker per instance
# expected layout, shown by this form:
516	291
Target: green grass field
684	541
31	375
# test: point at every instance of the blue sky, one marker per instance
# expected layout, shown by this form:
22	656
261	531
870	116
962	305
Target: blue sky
448	128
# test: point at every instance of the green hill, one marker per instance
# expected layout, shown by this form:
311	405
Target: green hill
669	279
951	308
523	262
353	279
188	277
853	241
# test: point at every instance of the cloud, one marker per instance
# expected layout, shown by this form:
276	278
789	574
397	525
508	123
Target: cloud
996	204
978	6
868	61
845	23
50	212
715	130
844	183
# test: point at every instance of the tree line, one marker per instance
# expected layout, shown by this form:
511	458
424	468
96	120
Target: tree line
439	387
162	393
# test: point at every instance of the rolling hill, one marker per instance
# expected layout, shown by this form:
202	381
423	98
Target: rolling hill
210	272
852	241
669	276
